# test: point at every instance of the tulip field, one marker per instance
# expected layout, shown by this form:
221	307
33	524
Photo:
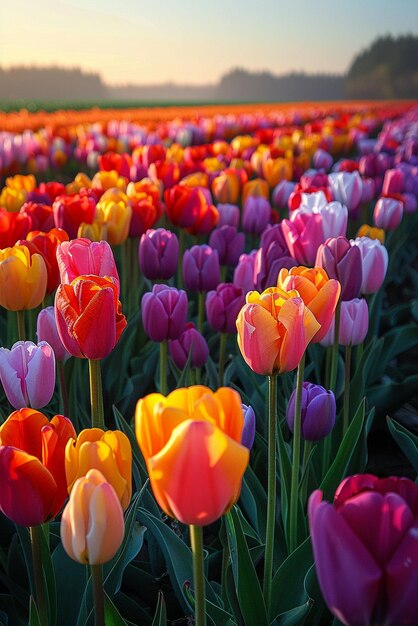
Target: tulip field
208	366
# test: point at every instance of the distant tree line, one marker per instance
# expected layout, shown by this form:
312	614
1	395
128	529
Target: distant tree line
387	69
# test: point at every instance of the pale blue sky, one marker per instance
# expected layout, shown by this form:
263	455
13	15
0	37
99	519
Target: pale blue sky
195	42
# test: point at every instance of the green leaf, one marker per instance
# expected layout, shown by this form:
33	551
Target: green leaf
285	479
112	615
68	604
387	397
126	428
247	585
287	589
293	617
33	614
160	617
319	613
407	441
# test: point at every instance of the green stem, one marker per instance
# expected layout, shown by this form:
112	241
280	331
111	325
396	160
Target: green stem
41	604
222	355
224	270
335	347
63	389
163	367
96	394
271	490
294	485
359	354
200	311
97	580
21	331
196	539
346	400
307	447
328	358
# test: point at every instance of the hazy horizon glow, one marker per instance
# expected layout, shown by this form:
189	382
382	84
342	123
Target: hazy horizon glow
157	41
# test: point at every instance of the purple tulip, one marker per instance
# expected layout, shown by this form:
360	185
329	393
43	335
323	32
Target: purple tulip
248	431
388	213
228	215
158	254
192	341
318	410
354	324
223	306
369	190
229	243
201	270
392	182
281	193
46	330
164	312
244	272
365	549
375	260
271	257
255	215
322	159
27	373
342	261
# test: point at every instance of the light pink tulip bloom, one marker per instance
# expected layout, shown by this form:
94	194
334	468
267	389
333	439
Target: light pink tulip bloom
347	188
27	373
354	324
80	257
388	213
46	330
375	261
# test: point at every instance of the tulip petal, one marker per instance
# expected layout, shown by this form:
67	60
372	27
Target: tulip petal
99	311
301	326
259	338
23	430
402	581
103	538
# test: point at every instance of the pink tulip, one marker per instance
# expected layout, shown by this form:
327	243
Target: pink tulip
46	330
388	213
80	257
27	373
354	324
347	188
303	235
375	260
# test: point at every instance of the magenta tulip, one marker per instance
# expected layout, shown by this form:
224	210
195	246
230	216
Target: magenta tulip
342	261
388	213
46	330
80	257
190	341
375	261
223	306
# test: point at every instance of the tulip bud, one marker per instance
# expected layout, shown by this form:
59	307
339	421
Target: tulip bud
281	193
228	215
46	330
80	257
223	306
318	411
158	254
248	431
392	182
256	215
388	213
322	159
27	373
244	271
354	324
347	188
375	261
190	341
164	312
23	278
201	270
229	243
92	525
342	261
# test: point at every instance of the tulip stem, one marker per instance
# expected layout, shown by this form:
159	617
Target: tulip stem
96	394
334	361
346	400
97	581
196	540
182	243
41	604
21	332
294	485
163	367
222	356
63	389
200	311
307	447
271	490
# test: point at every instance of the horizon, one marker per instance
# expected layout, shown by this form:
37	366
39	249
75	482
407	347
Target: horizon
160	42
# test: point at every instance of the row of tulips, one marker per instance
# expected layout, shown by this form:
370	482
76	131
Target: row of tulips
304	290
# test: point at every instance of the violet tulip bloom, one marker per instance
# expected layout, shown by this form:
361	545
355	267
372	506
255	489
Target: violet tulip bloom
81	257
303	235
318	411
244	271
27	373
248	431
342	261
392	182
229	243
190	341
228	215
46	330
272	256
354	324
365	548
164	312
334	218
158	254
281	193
223	306
255	215
375	261
201	269
346	188
388	213
322	159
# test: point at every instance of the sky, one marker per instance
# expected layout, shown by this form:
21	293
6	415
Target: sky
195	41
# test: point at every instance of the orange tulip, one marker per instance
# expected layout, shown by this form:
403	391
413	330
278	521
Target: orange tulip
274	329
372	232
191	442
226	187
32	471
318	292
108	451
23	278
256	187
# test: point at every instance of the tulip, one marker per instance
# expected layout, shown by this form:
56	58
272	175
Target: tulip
229	243
347	189
368	191
32	448
375	261
248	431
255	188
393	182
116	216
226	187
189	342
342	261
371	232
46	244
27	373
270	258
40	215
354	324
78	308
71	211
121	163
92	524
23	278
184	205
165	172
46	331
365	548
228	215
244	271
191	443
13	226
322	159
164	312
80	257
388	213
201	270
158	254
256	215
275	170
281	193
108	451
274	329
223	306
105	180
303	235
318	411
